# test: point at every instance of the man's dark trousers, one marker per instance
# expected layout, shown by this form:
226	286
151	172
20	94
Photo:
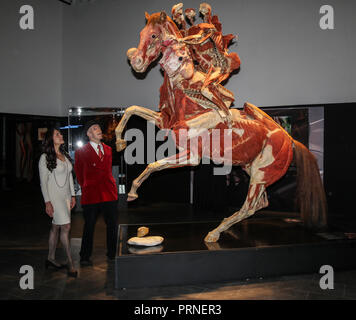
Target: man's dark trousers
90	214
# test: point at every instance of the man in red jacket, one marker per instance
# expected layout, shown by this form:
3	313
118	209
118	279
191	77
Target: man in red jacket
93	168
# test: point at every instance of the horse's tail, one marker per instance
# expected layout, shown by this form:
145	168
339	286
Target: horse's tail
311	198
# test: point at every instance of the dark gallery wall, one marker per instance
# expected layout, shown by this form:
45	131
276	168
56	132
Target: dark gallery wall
340	155
21	147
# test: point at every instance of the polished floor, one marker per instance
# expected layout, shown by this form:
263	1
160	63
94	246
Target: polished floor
24	232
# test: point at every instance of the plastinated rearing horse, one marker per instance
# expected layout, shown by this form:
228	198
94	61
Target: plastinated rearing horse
259	144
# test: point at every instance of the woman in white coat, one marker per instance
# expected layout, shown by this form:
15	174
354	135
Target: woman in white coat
57	187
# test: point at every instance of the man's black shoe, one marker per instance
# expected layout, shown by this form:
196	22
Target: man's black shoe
86	263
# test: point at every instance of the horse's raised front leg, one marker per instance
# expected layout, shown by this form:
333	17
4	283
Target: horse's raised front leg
184	158
256	200
142	112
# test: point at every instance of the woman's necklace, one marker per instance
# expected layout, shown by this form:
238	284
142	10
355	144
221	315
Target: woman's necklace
60	156
66	169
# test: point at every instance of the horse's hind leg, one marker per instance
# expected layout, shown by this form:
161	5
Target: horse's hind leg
256	200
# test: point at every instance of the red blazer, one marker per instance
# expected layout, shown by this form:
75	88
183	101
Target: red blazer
95	176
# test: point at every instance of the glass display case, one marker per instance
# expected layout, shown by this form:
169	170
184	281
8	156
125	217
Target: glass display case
108	119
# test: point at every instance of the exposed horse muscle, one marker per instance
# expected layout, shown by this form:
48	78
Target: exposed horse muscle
192	101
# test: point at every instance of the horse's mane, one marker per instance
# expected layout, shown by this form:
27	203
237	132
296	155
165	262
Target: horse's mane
155	18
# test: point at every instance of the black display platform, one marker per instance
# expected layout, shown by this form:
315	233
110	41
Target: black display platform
253	248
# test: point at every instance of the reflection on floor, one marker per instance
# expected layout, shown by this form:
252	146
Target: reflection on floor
24	232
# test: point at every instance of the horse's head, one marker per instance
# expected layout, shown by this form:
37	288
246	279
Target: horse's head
158	27
176	59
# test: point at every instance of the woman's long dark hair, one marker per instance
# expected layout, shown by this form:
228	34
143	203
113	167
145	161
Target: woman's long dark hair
48	149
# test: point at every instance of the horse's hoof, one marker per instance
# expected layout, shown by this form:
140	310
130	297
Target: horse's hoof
120	145
212	237
131	197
